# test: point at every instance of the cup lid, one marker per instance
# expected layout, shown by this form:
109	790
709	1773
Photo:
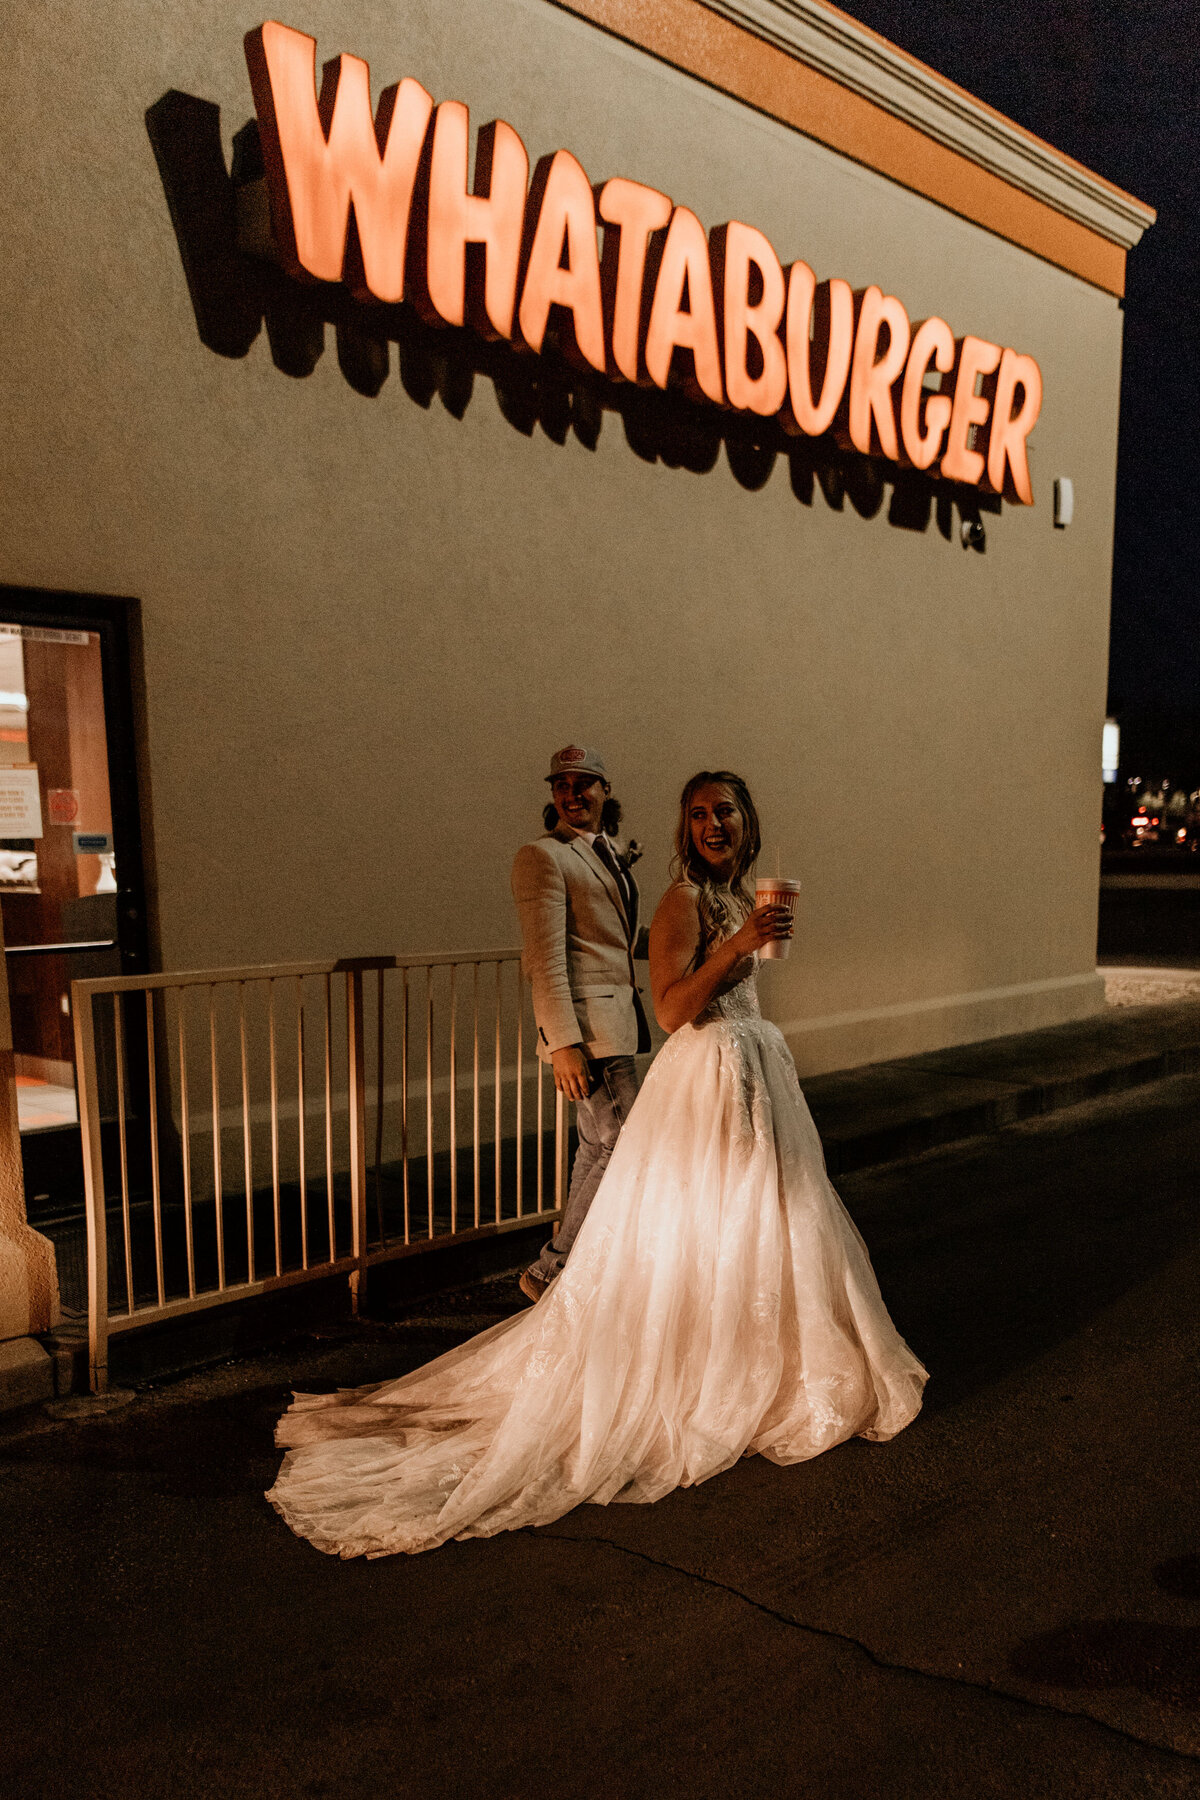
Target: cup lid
779	883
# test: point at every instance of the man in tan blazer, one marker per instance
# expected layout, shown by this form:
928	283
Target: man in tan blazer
578	906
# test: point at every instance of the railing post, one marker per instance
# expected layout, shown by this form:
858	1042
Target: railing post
357	1092
93	1181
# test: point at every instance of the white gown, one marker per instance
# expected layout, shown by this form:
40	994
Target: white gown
718	1300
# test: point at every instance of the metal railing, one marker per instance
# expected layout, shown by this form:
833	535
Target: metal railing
248	1129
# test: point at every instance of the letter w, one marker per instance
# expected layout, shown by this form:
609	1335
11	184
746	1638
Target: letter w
324	156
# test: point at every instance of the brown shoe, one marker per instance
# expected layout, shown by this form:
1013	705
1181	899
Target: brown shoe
533	1285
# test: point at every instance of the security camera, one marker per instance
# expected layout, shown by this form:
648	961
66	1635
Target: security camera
974	537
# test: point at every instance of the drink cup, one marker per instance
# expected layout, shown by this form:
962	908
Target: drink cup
773	890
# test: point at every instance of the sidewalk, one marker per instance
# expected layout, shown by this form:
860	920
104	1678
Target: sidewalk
887	1111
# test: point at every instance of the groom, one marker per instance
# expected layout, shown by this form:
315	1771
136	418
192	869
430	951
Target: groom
578	906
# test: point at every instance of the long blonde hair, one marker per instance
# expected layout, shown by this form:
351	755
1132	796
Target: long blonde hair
722	907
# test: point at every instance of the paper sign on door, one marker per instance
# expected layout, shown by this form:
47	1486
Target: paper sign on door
20	803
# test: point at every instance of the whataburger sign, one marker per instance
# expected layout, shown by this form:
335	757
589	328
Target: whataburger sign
660	303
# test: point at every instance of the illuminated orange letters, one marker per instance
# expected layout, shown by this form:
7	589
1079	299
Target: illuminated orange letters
322	157
634	212
742	259
1007	462
509	261
820	337
872	418
566	221
922	428
684	274
491	215
960	462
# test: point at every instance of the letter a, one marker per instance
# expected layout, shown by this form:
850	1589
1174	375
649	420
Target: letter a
685	265
566	220
323	157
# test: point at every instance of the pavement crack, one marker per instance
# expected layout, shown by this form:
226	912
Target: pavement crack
992	1689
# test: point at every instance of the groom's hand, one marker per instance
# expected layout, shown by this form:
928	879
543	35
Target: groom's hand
571	1072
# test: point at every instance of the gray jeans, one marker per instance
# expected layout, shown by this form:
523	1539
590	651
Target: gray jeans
598	1120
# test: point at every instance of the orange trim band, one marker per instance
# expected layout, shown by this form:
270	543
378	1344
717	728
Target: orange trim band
953	87
687	35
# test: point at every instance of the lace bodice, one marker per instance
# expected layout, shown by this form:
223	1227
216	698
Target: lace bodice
739	1002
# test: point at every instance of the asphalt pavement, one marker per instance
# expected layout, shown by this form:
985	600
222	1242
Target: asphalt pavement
1004	1601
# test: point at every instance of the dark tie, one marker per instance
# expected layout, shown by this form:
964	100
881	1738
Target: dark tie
608	857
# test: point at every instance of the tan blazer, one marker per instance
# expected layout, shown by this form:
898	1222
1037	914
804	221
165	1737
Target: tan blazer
578	949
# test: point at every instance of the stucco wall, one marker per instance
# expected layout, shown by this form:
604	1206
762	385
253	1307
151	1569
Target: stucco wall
367	624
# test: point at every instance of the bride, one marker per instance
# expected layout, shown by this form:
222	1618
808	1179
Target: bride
717	1301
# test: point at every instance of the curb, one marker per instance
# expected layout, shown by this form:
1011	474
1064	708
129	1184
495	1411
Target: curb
848	1152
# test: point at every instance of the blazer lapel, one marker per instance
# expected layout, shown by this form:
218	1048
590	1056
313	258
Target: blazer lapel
637	904
584	849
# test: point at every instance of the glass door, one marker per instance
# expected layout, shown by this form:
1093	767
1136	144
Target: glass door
71	888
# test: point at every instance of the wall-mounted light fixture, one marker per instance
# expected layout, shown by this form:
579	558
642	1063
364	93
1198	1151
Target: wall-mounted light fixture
1064	501
1110	749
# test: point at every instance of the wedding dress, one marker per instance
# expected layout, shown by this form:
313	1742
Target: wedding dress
717	1301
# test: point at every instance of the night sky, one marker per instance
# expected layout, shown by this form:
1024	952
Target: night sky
1116	86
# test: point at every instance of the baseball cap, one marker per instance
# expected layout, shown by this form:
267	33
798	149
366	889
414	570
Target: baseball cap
574	760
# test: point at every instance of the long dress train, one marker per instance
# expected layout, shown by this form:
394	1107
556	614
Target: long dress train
718	1300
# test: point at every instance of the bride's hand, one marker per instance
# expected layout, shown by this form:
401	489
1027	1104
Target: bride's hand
765	925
